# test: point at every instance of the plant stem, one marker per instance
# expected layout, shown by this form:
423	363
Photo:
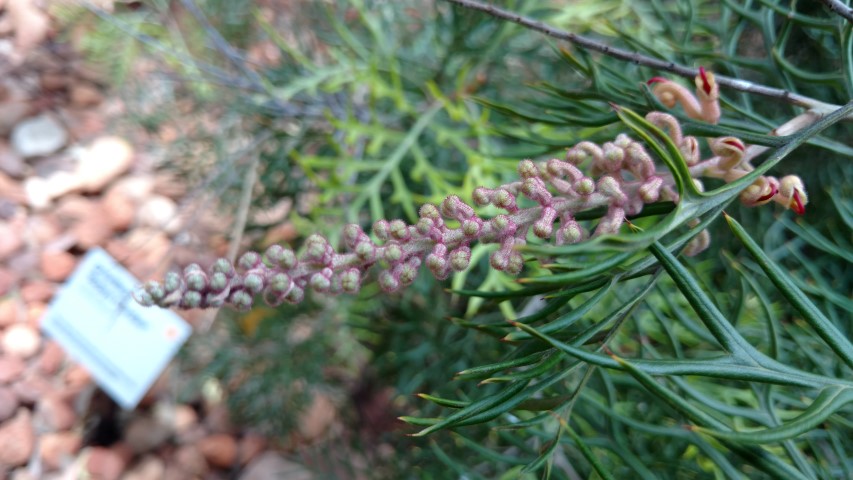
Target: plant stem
839	8
816	106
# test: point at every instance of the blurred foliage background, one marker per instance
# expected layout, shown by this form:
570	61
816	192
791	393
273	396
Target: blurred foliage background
357	110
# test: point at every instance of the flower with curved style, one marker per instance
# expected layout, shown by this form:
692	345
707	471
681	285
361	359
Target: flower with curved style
543	203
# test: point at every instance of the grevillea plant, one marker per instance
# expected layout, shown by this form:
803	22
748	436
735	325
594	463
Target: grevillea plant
620	177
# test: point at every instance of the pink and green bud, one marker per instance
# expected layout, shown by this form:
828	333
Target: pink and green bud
249	260
388	282
382	230
460	258
527	169
351	280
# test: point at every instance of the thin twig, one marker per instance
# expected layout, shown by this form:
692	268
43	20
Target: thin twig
817	106
238	228
839	8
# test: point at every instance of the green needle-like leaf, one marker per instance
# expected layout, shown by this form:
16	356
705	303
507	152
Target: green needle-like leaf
827	331
828	402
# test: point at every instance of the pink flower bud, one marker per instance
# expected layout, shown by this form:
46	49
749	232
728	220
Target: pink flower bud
503	226
611	160
460	258
254	282
279	256
382	230
454	207
399	230
535	189
365	251
387	282
392	252
569	233
527	169
249	260
320	283
585	186
317	249
406	273
545	225
351	280
481	196
504	199
218	282
295	295
429	211
515	265
650	190
241	300
610	187
471	227
195	278
279	284
191	299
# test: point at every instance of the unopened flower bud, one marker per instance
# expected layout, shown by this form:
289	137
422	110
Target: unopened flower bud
406	273
352	234
460	258
429	211
471	227
536	190
195	279
527	169
504	199
320	283
155	290
190	299
387	281
399	230
515	265
612	159
569	233
481	196
793	194
382	229
454	207
224	266
172	282
241	300
218	282
295	295
254	282
143	297
279	284
503	226
650	190
249	260
392	252
366	251
585	186
424	226
609	186
499	259
351	280
214	300
689	148
545	225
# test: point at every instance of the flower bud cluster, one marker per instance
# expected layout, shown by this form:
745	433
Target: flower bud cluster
541	204
732	156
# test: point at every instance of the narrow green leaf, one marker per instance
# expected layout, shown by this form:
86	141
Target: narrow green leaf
723	331
444	402
588	453
828	402
825	329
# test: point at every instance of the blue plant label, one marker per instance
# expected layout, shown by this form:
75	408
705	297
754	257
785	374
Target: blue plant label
124	345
